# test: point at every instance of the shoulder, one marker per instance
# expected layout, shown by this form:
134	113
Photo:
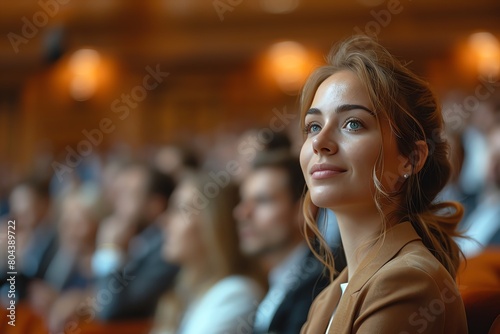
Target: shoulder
417	259
235	287
411	291
230	303
413	274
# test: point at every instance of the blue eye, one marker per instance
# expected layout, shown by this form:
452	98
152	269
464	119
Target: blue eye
311	128
353	125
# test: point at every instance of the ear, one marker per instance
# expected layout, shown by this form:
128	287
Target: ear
417	158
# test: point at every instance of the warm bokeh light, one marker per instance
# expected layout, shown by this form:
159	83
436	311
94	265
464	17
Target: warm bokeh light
84	66
289	64
485	48
279	6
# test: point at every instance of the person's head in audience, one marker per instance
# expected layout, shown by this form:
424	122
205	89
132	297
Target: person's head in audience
268	215
200	232
176	160
253	143
109	183
30	203
80	213
200	236
142	193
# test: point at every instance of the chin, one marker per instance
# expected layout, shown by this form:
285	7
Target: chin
250	249
326	199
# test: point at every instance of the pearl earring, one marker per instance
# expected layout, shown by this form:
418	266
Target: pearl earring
406	176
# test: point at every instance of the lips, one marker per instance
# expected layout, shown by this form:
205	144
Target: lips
323	171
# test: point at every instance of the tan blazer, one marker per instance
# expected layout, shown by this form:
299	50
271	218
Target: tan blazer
400	289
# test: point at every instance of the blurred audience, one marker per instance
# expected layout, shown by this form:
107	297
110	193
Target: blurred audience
69	272
108	241
254	141
35	233
458	187
214	292
270	229
483	224
176	160
129	242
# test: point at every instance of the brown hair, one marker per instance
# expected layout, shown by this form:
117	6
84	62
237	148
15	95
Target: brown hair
411	108
284	160
220	236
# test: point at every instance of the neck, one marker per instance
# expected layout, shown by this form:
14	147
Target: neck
357	228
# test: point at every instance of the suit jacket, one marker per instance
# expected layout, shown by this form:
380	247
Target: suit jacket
310	280
401	288
136	289
39	253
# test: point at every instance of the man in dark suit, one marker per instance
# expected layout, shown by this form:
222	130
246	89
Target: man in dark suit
132	274
269	223
36	235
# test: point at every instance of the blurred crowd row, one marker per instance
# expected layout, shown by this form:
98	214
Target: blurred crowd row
196	244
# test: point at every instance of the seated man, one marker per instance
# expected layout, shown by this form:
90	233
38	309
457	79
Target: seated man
35	232
132	274
270	229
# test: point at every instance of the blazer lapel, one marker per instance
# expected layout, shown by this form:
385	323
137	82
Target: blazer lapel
396	238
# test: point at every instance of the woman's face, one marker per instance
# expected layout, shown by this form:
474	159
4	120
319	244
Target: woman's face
182	228
343	142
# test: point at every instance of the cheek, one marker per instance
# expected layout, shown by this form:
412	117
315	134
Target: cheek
273	219
265	217
394	168
360	155
306	154
365	161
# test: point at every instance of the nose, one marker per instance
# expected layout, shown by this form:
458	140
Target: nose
324	144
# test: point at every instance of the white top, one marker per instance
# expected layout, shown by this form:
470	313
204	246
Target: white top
228	307
343	286
281	280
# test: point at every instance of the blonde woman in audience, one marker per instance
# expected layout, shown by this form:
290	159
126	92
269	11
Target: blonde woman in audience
212	293
374	154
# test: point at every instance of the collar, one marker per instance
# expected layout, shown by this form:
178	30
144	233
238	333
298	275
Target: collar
324	305
383	251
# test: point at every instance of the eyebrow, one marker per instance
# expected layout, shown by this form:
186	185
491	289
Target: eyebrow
341	108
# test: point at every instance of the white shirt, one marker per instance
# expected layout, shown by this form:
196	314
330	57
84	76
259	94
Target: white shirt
343	286
226	308
281	280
